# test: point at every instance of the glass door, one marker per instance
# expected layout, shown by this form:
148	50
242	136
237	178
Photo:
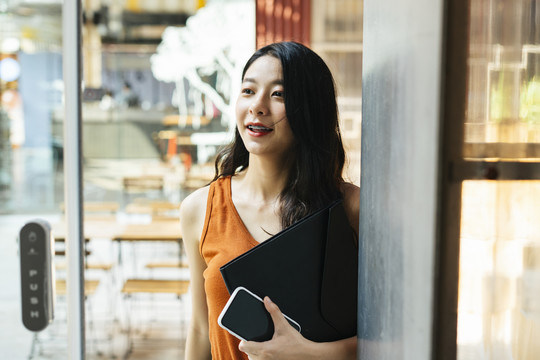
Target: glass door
31	90
31	160
151	123
499	261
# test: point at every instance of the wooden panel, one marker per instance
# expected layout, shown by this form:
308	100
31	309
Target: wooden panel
283	20
167	264
177	287
90	287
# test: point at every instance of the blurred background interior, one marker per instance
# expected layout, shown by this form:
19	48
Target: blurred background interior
159	82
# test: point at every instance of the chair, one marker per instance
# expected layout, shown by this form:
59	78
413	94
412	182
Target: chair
95	208
158	209
133	287
167	264
148	184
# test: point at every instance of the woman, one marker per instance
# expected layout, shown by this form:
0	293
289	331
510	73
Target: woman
285	162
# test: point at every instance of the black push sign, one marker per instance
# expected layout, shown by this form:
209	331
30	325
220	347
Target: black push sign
37	276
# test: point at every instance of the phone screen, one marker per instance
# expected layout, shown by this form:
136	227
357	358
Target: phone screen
246	317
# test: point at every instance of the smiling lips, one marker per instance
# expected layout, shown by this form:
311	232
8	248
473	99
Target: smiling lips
258	130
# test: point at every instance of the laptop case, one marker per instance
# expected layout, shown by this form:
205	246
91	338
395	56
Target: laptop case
310	270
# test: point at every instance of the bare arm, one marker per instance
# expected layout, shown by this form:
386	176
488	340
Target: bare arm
351	202
192	213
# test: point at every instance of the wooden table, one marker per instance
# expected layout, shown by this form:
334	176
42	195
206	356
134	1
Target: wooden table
94	227
122	232
110	228
161	230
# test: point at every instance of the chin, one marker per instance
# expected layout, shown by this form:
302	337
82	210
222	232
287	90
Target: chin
257	150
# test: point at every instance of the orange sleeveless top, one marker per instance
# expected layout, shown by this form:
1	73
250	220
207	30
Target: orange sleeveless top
223	238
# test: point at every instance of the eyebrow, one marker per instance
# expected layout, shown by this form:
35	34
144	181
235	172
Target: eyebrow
275	82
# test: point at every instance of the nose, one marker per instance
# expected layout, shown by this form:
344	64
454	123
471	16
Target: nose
258	106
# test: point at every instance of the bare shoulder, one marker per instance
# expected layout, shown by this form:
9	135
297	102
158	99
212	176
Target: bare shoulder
351	202
195	201
192	214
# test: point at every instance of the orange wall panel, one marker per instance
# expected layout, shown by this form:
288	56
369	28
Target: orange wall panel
282	20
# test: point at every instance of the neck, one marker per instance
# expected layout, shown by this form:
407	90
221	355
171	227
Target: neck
264	180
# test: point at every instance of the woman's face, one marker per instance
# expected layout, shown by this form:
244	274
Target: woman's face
260	109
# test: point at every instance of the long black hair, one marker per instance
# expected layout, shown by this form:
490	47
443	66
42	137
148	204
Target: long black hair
318	156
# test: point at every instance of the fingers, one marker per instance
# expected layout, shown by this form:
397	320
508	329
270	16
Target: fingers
277	317
251	348
245	346
256	349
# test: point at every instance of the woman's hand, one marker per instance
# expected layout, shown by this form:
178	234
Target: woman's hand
289	344
286	344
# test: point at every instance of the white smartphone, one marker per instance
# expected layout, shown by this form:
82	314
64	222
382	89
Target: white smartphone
245	317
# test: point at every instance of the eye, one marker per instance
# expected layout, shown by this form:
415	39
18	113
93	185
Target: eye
247	91
278	93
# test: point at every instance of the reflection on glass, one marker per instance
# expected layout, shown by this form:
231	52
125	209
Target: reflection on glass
504	79
30	91
158	97
31	168
336	34
499	286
